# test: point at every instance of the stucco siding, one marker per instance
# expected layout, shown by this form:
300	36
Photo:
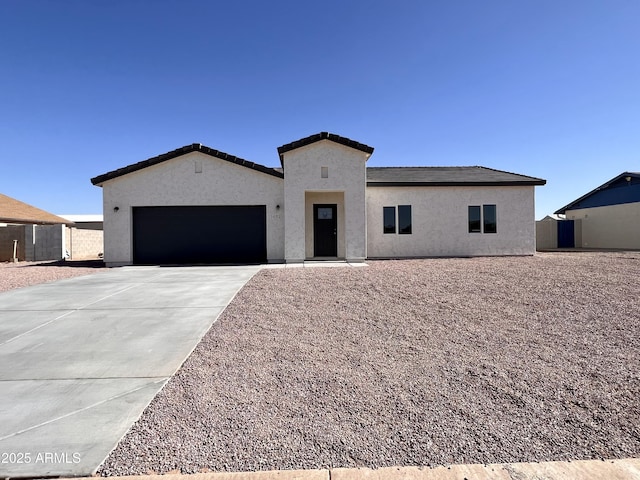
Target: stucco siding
176	182
613	226
440	221
346	174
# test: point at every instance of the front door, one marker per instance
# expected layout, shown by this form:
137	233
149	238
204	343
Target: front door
325	231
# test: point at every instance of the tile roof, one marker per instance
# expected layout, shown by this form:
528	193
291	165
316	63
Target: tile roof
376	176
445	176
194	147
347	142
15	211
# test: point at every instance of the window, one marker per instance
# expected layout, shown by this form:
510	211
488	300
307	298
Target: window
490	220
389	219
325	213
324	172
474	219
487	222
404	219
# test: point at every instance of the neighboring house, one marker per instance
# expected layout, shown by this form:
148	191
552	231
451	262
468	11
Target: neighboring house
84	240
199	205
29	233
608	216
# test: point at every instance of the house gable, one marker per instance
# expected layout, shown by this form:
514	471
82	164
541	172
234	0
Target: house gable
303	142
194	147
625	188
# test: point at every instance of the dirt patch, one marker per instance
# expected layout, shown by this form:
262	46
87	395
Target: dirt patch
419	362
24	274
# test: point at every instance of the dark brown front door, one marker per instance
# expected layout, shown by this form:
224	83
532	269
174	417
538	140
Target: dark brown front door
325	230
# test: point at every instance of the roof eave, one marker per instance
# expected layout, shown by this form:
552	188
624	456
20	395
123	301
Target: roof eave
568	206
32	221
457	184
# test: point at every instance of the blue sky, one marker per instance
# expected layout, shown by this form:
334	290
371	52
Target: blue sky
544	88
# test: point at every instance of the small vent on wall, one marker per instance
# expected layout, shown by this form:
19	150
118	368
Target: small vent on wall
324	172
198	166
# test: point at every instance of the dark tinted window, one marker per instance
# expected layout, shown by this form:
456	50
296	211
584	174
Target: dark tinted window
474	219
389	219
490	220
404	219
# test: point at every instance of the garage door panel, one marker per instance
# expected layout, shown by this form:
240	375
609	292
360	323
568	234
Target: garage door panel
199	234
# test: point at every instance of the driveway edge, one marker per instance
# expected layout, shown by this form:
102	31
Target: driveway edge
622	469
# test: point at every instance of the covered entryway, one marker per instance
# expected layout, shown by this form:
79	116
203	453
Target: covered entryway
324	225
199	234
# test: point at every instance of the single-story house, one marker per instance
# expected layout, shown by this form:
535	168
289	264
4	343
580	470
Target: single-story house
608	216
30	233
199	205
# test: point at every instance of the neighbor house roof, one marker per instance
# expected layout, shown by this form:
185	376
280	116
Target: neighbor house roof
625	188
15	211
445	177
194	147
347	142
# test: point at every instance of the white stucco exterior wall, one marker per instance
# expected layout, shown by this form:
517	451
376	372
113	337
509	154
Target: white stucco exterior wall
175	182
346	174
440	221
611	226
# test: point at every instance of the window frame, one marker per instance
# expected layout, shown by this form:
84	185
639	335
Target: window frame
403	211
493	215
398	213
477	229
387	230
482	218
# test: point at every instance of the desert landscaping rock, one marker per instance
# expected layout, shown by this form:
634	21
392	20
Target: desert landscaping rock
24	274
412	362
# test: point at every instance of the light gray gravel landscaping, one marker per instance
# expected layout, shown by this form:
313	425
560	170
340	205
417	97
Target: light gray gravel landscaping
415	362
25	274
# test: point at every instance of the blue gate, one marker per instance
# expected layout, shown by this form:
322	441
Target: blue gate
566	238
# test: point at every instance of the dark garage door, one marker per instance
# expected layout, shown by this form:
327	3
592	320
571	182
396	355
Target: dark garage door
199	234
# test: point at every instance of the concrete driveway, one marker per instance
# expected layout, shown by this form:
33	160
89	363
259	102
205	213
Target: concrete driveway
81	358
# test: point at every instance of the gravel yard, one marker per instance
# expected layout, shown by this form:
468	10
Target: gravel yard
416	362
24	274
